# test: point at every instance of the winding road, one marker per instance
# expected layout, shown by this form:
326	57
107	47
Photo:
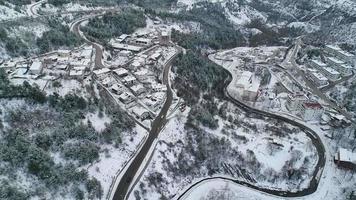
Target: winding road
123	188
127	182
314	137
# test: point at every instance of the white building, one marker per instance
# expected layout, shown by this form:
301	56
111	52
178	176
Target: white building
341	54
125	53
35	68
102	71
121	72
118	89
76	73
63	53
330	73
152	103
318	78
248	87
126	97
317	64
157	87
140	113
345	158
244	80
339	65
250	93
295	100
142	74
143	41
138	89
311	111
129	80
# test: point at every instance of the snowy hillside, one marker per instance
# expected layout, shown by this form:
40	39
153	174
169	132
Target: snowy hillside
8	12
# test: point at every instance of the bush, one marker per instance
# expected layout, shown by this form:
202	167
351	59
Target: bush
85	152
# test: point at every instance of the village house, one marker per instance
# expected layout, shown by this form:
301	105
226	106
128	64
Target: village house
141	113
143	41
118	89
129	80
63	53
126	98
142	74
138	89
121	72
101	72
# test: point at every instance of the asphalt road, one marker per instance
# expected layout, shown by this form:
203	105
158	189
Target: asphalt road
97	47
309	132
122	191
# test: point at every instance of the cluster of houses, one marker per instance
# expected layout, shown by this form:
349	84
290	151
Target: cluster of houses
62	63
335	63
135	85
140	40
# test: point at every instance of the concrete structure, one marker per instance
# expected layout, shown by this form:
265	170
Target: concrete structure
125	53
121	72
122	38
138	89
294	101
318	78
143	41
339	65
345	158
244	80
76	73
141	113
100	72
250	93
118	89
156	87
63	53
311	111
330	73
126	47
341	54
129	80
126	97
317	64
152	103
141	75
248	87
35	68
165	37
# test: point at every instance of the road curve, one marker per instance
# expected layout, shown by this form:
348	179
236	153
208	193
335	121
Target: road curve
123	189
317	142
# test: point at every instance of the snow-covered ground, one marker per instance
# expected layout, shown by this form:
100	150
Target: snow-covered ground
253	142
113	160
8	13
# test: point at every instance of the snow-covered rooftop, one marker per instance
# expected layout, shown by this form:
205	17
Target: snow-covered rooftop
335	60
101	71
347	156
319	63
319	76
331	71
